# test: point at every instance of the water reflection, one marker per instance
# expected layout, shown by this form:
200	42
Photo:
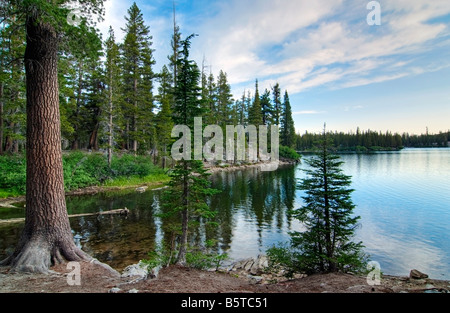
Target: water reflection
403	200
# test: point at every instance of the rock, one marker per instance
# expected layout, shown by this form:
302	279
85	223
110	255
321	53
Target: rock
115	290
255	279
430	286
248	265
259	265
299	276
142	189
240	265
155	272
139	270
415	274
133	291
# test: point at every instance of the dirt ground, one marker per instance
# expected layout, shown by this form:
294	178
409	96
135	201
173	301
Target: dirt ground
97	279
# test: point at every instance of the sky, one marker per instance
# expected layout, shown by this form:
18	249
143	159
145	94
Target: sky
338	67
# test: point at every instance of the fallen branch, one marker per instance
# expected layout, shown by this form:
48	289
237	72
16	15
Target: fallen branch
123	212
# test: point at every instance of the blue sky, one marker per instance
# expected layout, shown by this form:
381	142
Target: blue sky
336	68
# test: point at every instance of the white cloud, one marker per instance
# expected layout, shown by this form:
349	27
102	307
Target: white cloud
306	44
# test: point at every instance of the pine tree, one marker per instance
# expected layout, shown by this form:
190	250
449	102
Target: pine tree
189	186
266	107
187	91
112	77
255	113
83	62
47	238
327	213
164	122
224	101
242	111
12	84
209	98
137	58
276	113
287	124
174	57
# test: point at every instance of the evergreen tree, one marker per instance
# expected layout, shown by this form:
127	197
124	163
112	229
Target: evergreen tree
224	101
266	107
164	122
326	245
209	98
46	238
255	113
241	109
80	85
174	57
287	124
189	187
276	113
12	83
137	58
112	77
187	91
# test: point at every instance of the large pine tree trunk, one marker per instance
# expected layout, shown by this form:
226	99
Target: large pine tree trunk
47	237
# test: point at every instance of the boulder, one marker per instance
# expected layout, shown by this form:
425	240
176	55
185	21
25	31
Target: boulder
259	265
139	271
415	274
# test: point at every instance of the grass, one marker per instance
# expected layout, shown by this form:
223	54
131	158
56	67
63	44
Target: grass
137	181
82	170
10	194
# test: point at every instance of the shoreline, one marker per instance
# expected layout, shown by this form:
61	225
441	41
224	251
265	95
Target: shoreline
92	190
183	280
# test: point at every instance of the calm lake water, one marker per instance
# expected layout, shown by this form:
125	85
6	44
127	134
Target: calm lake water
403	199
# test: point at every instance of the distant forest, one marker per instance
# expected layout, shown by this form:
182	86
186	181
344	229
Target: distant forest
374	141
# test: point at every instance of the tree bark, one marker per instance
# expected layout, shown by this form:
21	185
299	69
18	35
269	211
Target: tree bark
110	122
47	238
135	129
181	259
93	139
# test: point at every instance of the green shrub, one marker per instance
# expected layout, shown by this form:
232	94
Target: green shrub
13	174
205	260
199	258
289	153
129	165
282	257
81	170
84	170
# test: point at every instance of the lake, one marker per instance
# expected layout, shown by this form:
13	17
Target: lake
403	199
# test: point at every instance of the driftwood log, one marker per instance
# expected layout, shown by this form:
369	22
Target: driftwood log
122	212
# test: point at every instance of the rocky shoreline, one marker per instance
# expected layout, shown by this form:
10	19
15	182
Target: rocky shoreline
245	276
